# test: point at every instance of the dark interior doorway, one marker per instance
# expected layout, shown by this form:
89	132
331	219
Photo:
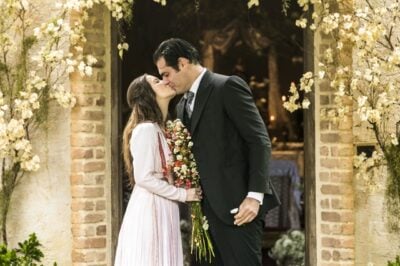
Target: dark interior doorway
261	45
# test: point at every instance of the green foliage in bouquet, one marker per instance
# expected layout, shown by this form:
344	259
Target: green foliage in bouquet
289	249
28	253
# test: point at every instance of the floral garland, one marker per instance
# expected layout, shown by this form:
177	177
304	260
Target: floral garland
186	175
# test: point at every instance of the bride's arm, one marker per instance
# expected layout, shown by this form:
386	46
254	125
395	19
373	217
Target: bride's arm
145	153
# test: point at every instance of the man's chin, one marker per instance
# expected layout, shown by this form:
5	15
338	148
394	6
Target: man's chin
179	92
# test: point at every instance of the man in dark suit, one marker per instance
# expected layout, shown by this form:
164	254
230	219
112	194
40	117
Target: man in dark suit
231	147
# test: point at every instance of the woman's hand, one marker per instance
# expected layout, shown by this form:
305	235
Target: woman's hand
193	194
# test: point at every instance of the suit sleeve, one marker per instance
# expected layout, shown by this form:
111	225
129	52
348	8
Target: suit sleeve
241	109
145	153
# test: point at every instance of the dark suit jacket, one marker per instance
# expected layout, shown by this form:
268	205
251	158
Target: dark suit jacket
231	144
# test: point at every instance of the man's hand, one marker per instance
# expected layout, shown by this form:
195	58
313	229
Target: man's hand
248	210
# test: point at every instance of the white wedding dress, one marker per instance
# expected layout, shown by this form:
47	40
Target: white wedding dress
150	233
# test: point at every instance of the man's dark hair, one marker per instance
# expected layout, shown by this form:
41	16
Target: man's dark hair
174	48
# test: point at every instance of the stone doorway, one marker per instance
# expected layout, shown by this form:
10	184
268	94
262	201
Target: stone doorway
228	47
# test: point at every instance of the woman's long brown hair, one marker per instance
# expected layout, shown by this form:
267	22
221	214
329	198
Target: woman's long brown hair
142	100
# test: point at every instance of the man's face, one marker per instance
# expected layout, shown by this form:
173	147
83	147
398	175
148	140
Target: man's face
178	80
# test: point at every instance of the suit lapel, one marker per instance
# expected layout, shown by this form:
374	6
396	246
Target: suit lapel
201	98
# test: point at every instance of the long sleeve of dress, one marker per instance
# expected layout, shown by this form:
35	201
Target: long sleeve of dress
147	163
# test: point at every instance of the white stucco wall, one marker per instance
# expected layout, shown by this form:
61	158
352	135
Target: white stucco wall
375	245
42	201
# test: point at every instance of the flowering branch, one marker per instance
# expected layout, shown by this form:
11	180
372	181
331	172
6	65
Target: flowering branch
35	60
371	80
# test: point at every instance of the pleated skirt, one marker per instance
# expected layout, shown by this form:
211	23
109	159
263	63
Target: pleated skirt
150	233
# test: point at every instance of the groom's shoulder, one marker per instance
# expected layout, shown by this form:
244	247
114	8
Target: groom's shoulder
218	76
218	80
221	80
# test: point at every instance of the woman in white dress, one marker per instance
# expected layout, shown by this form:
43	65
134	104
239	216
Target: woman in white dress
150	233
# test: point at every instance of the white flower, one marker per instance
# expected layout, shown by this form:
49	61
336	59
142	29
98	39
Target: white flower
63	97
363	113
32	164
302	23
292	88
91	60
205	223
85	70
305	103
23	144
250	3
394	139
358	160
328	55
287	242
361	100
291	106
374	116
15	129
183	167
88	71
368	74
308	75
121	48
304	4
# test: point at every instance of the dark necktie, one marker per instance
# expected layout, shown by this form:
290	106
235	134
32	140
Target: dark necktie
188	102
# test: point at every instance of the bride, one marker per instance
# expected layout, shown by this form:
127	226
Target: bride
150	233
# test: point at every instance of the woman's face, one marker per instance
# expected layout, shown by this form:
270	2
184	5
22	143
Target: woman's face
159	87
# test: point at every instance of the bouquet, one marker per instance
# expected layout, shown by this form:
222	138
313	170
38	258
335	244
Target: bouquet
186	175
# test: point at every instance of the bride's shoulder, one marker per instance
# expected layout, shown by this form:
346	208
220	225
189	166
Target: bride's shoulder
145	128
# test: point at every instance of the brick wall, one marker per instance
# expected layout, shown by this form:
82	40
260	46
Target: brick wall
335	194
351	226
334	174
89	185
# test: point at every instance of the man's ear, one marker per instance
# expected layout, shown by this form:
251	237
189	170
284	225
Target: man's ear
182	62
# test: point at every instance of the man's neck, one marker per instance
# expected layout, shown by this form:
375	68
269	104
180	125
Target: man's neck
195	71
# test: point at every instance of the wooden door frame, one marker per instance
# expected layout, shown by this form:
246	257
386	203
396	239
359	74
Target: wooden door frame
309	158
116	129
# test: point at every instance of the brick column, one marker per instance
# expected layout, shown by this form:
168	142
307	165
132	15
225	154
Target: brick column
88	170
335	192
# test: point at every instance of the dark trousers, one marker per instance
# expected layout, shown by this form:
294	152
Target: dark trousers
233	245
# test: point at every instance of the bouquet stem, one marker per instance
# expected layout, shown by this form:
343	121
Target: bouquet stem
201	244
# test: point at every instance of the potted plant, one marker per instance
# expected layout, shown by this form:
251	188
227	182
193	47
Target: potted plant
289	249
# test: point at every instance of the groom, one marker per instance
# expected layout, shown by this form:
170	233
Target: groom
231	147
